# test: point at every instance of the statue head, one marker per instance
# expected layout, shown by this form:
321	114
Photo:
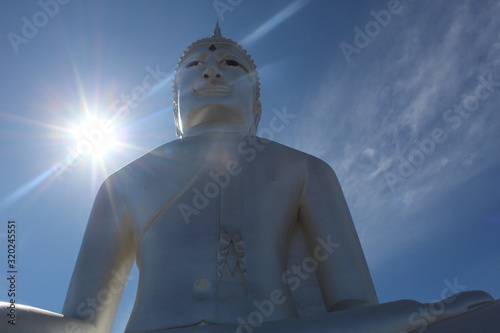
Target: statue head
216	88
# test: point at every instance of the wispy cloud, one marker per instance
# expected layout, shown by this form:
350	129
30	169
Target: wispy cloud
402	86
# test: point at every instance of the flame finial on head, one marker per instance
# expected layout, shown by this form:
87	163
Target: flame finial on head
217	33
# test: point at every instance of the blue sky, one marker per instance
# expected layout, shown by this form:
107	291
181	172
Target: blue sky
405	111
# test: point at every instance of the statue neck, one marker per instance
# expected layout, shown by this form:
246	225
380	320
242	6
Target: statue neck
216	129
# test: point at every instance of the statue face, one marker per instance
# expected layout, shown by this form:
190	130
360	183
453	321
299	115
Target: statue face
216	91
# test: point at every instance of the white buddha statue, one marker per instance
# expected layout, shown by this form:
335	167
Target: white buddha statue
208	219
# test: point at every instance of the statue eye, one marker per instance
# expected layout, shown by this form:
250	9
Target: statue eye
232	63
193	63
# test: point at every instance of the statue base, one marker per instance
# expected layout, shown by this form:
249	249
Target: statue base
484	319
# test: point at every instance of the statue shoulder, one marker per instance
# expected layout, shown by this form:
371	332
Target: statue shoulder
313	164
318	166
131	176
144	164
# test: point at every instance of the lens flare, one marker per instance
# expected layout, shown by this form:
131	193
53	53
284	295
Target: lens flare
94	137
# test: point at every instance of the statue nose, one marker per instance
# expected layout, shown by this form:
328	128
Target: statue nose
212	73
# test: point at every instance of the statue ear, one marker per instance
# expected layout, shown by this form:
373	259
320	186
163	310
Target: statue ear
177	128
178	133
176	114
256	117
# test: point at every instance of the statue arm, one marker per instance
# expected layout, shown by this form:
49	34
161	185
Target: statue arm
33	320
106	256
342	272
105	259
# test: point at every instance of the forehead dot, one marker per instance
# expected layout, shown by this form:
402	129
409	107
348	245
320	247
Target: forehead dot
212	48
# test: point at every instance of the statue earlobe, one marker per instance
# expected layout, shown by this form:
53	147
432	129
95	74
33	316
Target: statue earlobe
177	129
256	117
178	133
176	114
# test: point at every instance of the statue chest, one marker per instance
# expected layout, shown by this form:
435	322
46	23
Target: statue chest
221	215
216	253
218	190
218	237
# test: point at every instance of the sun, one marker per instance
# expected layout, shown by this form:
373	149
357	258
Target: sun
94	137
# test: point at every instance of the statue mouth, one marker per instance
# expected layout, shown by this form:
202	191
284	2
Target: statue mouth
213	90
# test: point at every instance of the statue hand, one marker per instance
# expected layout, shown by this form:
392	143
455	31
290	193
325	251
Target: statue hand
463	302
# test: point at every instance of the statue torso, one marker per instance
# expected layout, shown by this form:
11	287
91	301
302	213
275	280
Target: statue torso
213	216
